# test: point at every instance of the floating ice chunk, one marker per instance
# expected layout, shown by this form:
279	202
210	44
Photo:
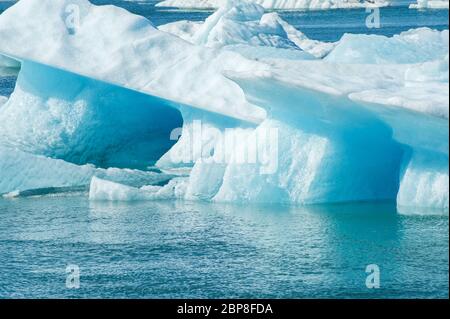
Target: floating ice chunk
430	4
102	190
126	50
277	4
244	27
344	129
20	171
413	46
12	194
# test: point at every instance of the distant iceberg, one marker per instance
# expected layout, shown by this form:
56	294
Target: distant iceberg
430	4
278	4
247	29
352	122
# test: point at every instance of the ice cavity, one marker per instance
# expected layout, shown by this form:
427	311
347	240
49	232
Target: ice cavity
245	27
63	115
277	4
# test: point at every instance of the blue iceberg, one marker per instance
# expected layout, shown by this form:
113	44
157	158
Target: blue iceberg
308	122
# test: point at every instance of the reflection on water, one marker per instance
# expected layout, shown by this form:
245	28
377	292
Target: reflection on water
186	249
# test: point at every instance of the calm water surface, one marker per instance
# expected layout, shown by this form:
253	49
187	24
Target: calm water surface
174	249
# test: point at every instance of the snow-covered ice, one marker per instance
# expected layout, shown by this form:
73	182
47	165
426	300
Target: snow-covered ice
365	118
247	29
278	4
430	4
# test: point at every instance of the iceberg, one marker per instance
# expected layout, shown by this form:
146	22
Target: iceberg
21	172
107	190
314	126
430	4
278	4
247	29
410	47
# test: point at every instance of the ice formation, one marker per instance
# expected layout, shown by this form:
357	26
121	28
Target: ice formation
278	4
247	29
430	4
20	171
363	119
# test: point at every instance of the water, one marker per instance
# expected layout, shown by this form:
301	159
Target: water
179	249
197	250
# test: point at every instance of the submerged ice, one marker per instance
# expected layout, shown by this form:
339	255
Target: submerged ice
365	118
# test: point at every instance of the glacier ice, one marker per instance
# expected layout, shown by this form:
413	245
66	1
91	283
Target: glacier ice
246	28
278	4
20	171
413	46
354	121
3	100
107	190
63	115
430	4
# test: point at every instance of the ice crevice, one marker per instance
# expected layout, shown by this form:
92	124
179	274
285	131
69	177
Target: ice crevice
353	121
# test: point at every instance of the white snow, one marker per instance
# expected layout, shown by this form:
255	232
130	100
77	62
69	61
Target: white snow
247	29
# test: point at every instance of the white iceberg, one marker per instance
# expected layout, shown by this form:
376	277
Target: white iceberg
278	4
106	190
430	4
247	29
338	130
413	46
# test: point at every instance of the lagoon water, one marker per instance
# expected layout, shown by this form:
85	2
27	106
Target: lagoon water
171	249
200	250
